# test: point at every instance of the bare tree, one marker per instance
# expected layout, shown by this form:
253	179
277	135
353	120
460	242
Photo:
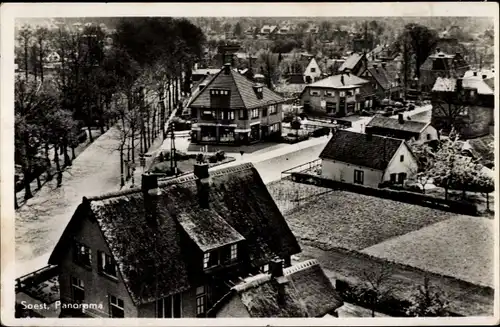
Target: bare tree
376	287
25	39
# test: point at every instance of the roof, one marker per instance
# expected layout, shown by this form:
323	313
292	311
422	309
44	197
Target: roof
308	293
351	61
270	27
444	84
392	123
296	79
383	77
241	89
483	86
206	71
371	151
335	81
240	207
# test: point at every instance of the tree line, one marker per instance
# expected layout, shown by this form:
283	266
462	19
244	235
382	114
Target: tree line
129	79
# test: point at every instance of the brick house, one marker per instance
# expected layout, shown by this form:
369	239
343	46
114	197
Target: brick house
402	129
171	248
302	290
339	95
467	104
384	82
367	159
442	65
231	109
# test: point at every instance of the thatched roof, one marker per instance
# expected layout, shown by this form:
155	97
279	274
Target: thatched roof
307	293
240	209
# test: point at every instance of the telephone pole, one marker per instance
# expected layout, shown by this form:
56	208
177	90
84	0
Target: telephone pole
173	158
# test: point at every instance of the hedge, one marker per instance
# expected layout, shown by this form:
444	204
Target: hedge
402	196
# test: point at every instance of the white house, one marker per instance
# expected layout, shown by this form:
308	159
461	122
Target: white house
367	159
402	129
53	57
312	70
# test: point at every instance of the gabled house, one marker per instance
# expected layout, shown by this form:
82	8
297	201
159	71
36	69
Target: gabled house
170	248
250	30
467	104
355	64
53	57
300	291
268	29
384	82
312	29
233	110
312	71
402	129
367	159
339	95
442	65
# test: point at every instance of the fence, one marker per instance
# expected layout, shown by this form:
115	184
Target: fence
308	166
402	196
36	277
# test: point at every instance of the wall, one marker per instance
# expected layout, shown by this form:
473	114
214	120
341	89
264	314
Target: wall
314	75
97	287
188	306
480	120
408	166
339	171
233	309
428	130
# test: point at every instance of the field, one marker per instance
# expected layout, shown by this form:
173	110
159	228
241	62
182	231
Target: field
461	247
347	220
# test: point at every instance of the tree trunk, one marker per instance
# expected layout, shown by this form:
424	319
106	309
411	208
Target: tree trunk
16	205
67	159
56	159
487	202
27	187
122	180
446	192
148	129
38	182
91	139
73	155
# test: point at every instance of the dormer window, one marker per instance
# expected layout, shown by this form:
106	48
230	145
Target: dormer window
356	91
258	89
210	259
216	92
225	255
342	94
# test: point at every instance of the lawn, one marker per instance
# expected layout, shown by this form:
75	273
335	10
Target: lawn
347	220
460	247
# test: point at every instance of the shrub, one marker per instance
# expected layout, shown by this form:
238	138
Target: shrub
321	132
212	159
221	155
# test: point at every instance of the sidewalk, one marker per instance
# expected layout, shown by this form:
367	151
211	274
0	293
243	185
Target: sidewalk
40	222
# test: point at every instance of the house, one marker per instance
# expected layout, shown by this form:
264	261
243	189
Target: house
441	65
313	29
299	291
312	71
200	74
355	63
250	30
367	159
170	248
53	57
338	95
402	129
467	104
231	109
268	29
285	31
384	83
333	66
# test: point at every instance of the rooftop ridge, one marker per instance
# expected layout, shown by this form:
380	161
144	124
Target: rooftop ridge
373	135
252	282
112	194
300	266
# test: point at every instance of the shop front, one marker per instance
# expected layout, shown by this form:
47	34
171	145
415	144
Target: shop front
254	133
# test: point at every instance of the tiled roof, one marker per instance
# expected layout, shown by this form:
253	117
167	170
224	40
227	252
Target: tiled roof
307	293
240	206
483	86
392	123
335	81
351	61
383	77
205	71
443	84
371	151
242	92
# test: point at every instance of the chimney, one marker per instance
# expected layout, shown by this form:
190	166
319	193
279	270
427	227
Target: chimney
201	87
276	268
151	192
227	68
401	119
342	79
438	50
202	183
383	65
474	73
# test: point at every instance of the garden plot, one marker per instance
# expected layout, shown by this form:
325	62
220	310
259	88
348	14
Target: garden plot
332	218
461	247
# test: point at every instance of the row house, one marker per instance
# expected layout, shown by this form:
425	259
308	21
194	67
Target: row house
338	95
442	65
466	103
367	159
231	109
171	248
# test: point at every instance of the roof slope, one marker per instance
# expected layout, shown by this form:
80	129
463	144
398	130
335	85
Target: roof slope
444	84
483	86
242	93
240	207
382	76
307	293
351	61
335	81
392	123
372	151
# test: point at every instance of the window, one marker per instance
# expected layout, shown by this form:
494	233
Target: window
243	114
106	264
393	178
273	109
264	269
82	255
329	93
331	107
264	112
313	70
169	307
194	113
401	158
78	288
234	252
472	93
229	115
358	177
210	259
274	128
254	113
314	92
342	94
116	307
401	178
201	300
356	91
463	112
208	114
428	136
